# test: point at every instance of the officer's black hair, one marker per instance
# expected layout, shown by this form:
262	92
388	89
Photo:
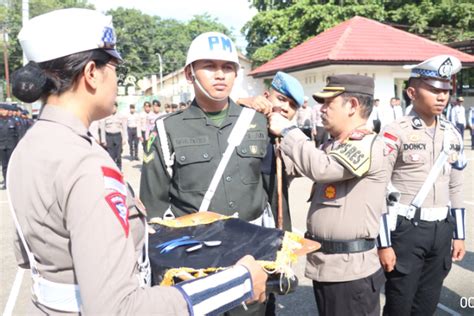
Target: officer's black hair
39	80
365	100
156	102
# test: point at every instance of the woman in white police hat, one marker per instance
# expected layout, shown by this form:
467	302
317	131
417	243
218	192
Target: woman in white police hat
81	231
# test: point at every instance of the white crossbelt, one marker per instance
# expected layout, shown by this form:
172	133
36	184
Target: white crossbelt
429	214
58	296
430	180
234	140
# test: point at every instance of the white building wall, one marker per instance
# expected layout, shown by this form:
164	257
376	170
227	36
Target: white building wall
385	78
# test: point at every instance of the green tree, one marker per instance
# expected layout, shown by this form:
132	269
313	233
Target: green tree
281	25
140	36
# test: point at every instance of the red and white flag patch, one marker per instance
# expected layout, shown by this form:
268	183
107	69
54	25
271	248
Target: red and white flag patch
391	141
113	180
118	205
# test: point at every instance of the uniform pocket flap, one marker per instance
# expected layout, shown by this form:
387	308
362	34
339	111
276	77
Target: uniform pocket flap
251	149
196	154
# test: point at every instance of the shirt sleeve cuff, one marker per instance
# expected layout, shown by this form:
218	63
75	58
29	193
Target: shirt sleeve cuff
459	215
217	293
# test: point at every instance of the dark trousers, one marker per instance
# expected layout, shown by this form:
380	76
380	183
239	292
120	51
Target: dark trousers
423	251
114	147
5	154
321	136
460	128
358	297
144	141
472	137
133	142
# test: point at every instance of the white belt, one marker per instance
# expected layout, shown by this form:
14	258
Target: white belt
58	296
429	214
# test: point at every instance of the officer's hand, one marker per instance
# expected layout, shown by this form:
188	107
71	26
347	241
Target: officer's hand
459	250
314	132
259	278
276	122
258	103
388	259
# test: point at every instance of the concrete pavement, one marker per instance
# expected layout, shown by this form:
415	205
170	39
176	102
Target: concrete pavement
458	285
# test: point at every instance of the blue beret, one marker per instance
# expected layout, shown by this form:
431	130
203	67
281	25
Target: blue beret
289	86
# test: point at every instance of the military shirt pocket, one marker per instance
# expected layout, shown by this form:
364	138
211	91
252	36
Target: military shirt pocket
193	168
251	153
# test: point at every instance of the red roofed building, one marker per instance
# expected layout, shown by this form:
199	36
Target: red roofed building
359	46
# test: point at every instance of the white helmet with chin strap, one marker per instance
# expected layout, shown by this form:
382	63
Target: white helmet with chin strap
211	46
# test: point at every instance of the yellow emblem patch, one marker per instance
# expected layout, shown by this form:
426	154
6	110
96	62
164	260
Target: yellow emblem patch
354	155
330	192
253	149
414	137
148	158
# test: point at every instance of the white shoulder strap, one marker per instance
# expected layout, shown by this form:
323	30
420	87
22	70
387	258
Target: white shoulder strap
235	138
432	176
160	126
30	255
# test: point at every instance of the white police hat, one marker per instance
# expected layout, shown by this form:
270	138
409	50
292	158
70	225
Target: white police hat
289	86
64	32
436	71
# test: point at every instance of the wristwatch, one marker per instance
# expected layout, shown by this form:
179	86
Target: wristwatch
286	130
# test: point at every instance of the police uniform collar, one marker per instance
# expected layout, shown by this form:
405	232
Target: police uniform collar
59	115
418	123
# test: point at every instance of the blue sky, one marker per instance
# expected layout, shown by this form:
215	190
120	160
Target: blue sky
232	13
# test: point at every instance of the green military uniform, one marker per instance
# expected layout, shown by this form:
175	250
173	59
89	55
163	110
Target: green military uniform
196	146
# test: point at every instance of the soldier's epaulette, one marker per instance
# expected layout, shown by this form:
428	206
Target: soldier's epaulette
355	153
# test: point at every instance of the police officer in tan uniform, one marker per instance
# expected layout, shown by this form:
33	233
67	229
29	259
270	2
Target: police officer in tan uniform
113	130
426	202
79	227
348	197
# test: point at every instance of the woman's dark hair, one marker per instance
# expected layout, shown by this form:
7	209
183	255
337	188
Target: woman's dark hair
39	80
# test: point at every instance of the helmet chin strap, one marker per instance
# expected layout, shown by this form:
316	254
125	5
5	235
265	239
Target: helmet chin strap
195	79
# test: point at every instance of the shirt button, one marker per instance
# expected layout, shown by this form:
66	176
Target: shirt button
232	204
182	158
205	155
244	151
228	178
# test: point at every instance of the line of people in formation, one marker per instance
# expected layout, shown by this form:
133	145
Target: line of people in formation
14	122
386	208
114	131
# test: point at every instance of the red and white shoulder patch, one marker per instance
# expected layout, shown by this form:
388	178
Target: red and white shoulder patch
118	205
390	142
113	180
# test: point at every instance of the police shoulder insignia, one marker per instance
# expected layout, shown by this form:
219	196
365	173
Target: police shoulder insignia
355	155
118	205
416	122
358	134
149	157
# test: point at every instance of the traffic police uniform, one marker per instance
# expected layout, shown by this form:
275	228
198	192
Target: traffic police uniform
346	204
196	145
84	231
113	129
422	239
